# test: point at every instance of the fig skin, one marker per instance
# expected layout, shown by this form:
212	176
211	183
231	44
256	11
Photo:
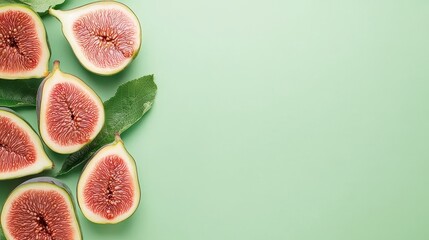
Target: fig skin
118	141
60	15
52	181
45	46
40	94
39	148
59	184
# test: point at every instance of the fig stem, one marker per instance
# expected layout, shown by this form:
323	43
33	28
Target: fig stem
56	65
118	137
55	13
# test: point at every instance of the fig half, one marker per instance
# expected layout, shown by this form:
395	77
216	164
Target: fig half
24	51
105	36
21	151
40	208
108	190
70	113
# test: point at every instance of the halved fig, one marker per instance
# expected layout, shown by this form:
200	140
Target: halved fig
24	51
21	151
108	190
70	113
105	36
40	208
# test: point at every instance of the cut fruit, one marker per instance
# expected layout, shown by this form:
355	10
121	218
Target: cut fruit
70	113
24	51
108	190
21	151
105	36
40	208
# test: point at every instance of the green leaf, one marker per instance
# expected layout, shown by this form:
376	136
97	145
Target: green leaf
2	234
1	2
41	6
131	101
18	93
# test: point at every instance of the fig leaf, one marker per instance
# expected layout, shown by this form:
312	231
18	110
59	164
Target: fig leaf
41	6
131	101
18	93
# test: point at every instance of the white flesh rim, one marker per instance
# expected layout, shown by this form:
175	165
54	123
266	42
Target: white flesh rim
69	17
44	187
42	68
53	79
42	161
117	148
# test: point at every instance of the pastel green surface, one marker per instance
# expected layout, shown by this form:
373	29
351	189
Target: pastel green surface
274	119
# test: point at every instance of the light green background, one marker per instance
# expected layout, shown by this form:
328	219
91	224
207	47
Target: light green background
275	119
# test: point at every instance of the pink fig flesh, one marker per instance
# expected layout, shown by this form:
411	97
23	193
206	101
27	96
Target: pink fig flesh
39	214
19	48
107	37
109	190
40	208
16	149
71	115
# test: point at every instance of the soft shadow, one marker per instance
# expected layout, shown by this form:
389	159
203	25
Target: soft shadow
118	230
